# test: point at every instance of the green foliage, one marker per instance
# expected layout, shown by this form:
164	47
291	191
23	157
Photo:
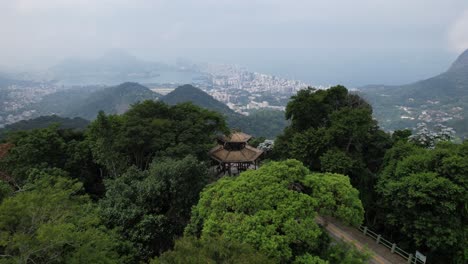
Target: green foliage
336	161
267	209
256	141
402	135
50	223
309	259
5	190
44	122
211	250
338	253
40	148
333	131
424	195
342	253
50	148
335	197
152	129
150	208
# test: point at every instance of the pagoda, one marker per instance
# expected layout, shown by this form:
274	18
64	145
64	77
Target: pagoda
234	153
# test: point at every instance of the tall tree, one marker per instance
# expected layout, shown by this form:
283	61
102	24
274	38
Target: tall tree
48	222
211	250
50	148
273	209
423	197
152	129
151	208
333	131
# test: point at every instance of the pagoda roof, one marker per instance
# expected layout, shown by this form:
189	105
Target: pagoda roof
236	137
246	154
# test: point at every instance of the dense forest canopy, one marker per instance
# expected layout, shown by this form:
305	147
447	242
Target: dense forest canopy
138	187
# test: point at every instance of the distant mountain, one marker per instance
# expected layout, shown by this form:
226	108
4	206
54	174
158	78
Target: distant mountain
442	99
112	68
63	101
46	121
112	100
86	102
189	93
267	123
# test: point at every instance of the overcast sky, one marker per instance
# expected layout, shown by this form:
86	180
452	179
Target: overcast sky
353	42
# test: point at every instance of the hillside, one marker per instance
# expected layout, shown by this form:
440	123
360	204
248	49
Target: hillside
438	100
267	123
60	102
189	93
46	121
112	100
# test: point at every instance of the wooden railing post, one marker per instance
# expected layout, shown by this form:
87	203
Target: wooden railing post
378	239
365	230
410	258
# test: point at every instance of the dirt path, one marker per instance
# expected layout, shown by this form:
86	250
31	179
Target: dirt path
380	254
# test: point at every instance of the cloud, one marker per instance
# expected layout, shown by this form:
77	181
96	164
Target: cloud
458	34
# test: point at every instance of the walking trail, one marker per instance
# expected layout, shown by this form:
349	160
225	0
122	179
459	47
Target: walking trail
380	254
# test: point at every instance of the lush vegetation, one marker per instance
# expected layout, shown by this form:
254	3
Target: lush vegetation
141	171
423	198
274	209
44	122
333	131
47	222
411	191
137	187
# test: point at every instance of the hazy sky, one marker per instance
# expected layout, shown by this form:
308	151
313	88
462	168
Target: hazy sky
353	42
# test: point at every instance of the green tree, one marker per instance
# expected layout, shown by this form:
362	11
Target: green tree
343	253
40	148
335	197
5	190
50	148
49	223
273	209
423	197
151	208
211	250
152	129
333	131
338	161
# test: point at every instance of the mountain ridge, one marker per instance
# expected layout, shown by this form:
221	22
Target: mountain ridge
268	123
437	100
460	63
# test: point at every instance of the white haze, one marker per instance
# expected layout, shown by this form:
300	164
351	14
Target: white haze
334	41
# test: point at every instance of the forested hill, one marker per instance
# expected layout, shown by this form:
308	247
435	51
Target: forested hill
46	121
189	93
114	100
266	123
86	103
440	99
